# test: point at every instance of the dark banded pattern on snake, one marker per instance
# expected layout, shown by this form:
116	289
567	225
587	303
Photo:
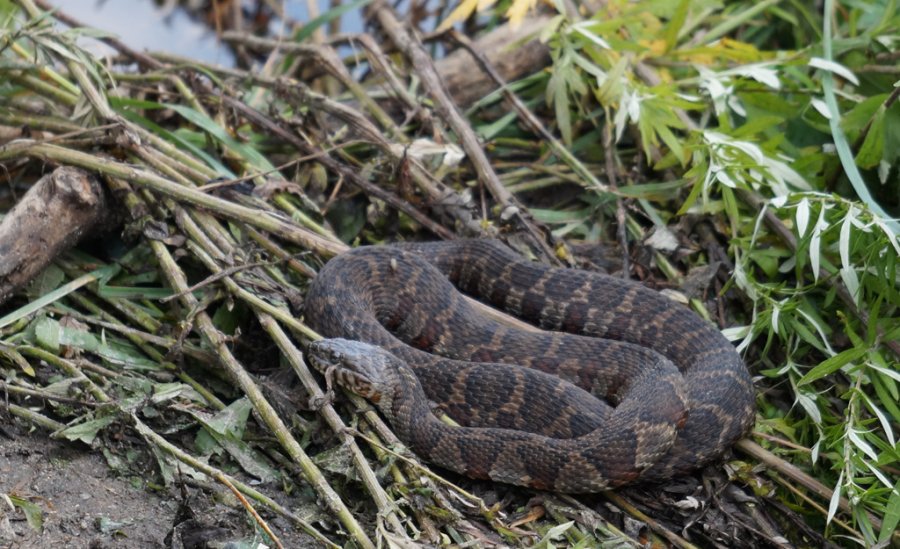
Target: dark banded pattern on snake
625	384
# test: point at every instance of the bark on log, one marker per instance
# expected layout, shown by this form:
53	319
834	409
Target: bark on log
467	83
54	214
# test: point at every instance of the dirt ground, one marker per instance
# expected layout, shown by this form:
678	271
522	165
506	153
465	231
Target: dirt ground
81	503
84	504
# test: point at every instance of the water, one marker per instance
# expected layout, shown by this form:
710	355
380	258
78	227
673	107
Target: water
144	26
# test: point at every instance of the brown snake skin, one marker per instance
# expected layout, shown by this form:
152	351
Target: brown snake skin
671	393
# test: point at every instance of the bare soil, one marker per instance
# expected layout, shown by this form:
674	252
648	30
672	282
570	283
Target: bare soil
84	503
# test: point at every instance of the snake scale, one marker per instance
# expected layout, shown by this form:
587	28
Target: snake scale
622	385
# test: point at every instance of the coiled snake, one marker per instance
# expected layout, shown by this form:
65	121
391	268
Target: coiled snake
625	385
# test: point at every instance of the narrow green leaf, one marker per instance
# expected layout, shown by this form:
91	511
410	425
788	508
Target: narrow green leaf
669	138
731	208
214	129
858	441
675	24
832	365
859	116
809	405
33	514
882	418
47	334
891	515
87	431
692	197
172	137
872	149
835	498
836	68
802	217
815	240
837	134
125	292
62	291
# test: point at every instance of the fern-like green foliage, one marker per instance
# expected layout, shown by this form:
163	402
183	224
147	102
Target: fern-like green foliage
782	124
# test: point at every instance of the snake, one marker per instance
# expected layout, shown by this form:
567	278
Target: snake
620	384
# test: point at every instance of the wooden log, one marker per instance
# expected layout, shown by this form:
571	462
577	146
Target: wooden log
467	83
55	213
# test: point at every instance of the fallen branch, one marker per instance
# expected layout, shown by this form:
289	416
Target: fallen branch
60	209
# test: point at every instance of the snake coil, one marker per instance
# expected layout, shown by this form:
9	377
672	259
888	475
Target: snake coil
623	385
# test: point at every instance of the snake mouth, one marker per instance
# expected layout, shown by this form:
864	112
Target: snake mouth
358	385
349	364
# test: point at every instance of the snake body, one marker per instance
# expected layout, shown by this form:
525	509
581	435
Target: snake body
622	385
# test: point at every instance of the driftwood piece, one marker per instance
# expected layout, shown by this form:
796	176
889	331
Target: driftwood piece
53	215
466	83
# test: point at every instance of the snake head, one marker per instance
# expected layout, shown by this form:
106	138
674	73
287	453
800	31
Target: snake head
361	368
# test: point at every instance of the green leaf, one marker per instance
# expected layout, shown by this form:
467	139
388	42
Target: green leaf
861	114
671	140
33	514
843	147
891	516
892	134
210	126
559	217
882	419
46	333
731	207
808	403
871	151
552	535
858	441
835	498
756	126
488	131
51	335
675	25
231	421
125	292
692	196
561	106
87	431
832	365
173	137
58	293
48	280
226	429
